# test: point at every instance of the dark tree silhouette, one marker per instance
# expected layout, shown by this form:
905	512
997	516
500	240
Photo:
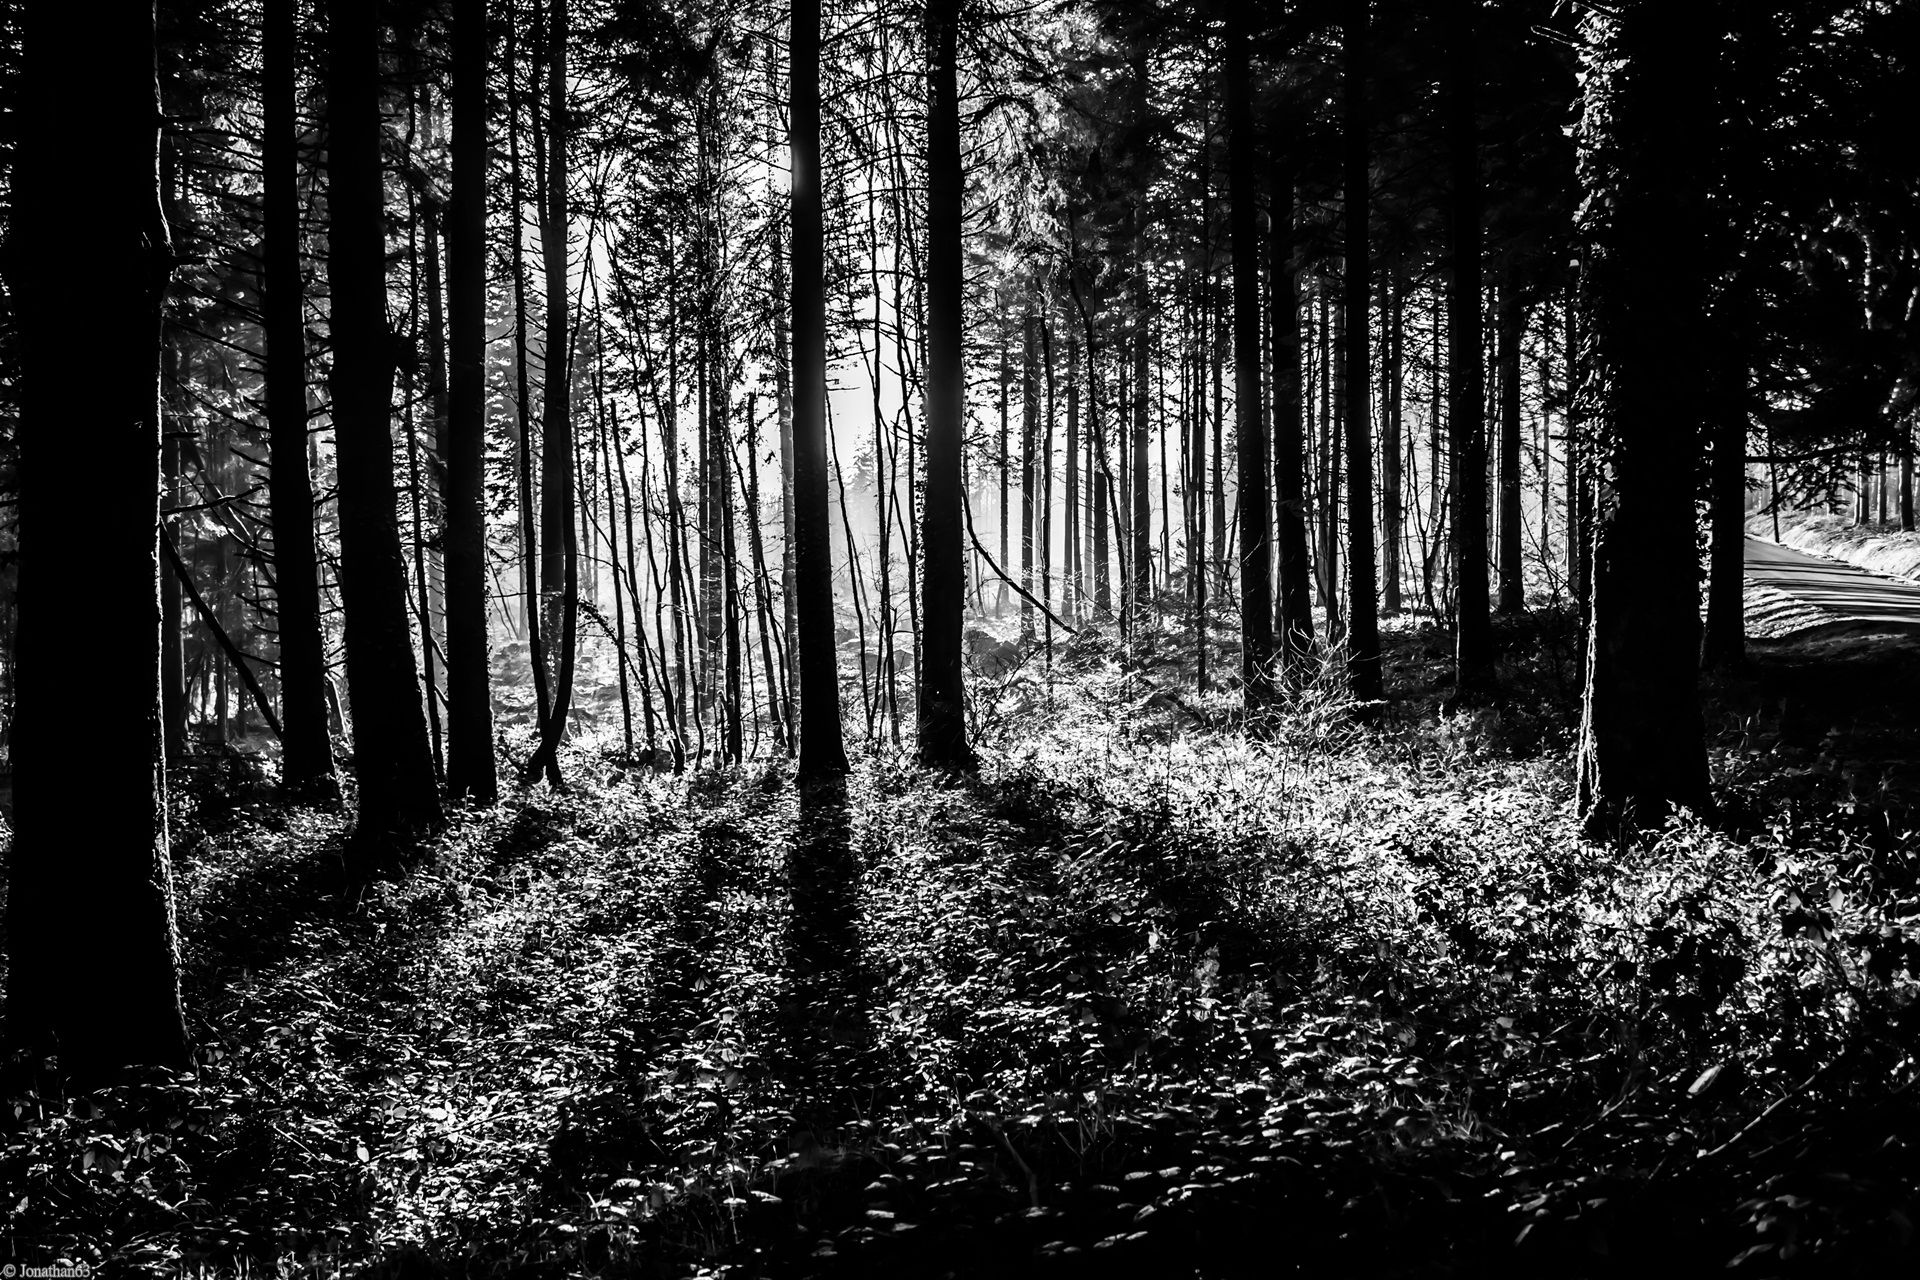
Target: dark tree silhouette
1250	423
1647	111
470	764
1509	322
92	955
559	550
1363	605
392	761
823	753
1466	381
1294	615
306	762
943	722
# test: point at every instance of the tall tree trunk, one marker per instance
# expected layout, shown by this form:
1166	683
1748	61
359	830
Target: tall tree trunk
1076	580
1217	356
1196	479
1363	606
942	715
306	762
1250	422
1648	111
1102	489
823	753
1046	469
1141	523
110	1000
1467	458
1295	606
1392	504
1004	464
392	761
559	559
470	763
783	389
1029	448
1509	326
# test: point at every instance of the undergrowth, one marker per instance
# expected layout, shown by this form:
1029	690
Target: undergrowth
1156	994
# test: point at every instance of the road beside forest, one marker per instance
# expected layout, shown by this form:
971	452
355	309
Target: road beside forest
1790	592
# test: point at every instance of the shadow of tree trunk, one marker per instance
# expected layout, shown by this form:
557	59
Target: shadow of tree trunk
825	1010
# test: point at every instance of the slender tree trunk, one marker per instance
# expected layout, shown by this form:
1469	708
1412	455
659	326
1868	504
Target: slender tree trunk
763	591
1102	496
1363	607
559	561
1077	588
523	411
470	763
416	490
1392	503
1029	445
1196	480
1510	324
943	586
823	752
783	347
94	859
1250	423
392	760
1046	469
1004	464
306	762
943	723
1217	356
1649	105
1473	632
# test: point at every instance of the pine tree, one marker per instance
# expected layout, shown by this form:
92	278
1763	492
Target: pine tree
1646	111
392	761
93	958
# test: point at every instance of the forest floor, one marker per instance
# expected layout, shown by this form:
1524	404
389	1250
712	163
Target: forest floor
1151	996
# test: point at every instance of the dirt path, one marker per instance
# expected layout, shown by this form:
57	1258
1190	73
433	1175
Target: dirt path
1790	592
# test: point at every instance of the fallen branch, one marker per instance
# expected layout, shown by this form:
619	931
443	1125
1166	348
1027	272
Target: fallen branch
966	505
238	658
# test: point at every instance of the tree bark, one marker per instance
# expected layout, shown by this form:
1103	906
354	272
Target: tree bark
93	956
1295	607
1076	586
306	762
943	724
1467	450
1250	422
823	753
470	763
1363	605
1392	504
559	554
1510	325
393	763
1029	457
1647	111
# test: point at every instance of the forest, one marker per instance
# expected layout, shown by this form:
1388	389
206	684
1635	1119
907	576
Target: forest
971	638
